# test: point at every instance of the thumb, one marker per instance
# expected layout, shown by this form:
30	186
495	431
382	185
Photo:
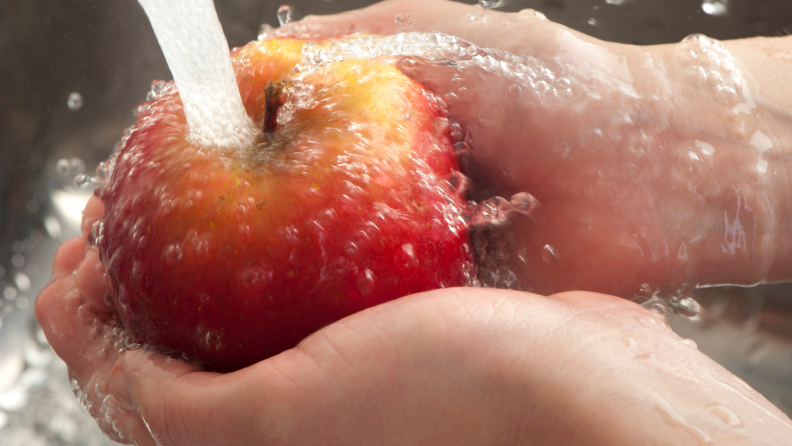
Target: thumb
509	110
154	395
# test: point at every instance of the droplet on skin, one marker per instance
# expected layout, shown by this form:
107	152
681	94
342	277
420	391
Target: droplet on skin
690	343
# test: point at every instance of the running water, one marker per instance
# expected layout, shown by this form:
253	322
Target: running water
196	49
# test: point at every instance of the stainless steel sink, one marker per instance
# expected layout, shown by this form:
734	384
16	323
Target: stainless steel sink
106	53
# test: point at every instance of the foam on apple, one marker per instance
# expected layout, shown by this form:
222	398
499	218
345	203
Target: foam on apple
196	50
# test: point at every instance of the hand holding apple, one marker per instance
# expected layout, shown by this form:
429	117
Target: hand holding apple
455	366
647	181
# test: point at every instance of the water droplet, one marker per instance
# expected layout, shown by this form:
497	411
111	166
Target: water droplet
156	90
264	31
592	21
84	312
646	289
407	63
132	346
690	343
489	4
214	340
75	101
173	253
522	254
659	308
515	90
713	79
549	254
686	307
715	7
284	15
726	95
365	282
18	260
403	21
10	293
22	281
725	414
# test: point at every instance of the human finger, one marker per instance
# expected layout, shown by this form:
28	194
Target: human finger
92	282
93	212
68	257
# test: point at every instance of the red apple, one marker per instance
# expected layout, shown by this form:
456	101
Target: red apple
232	257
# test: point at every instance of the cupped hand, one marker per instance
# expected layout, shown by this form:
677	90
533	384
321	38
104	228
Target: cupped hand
650	177
455	366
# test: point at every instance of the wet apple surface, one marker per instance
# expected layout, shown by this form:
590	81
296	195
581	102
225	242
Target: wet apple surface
232	256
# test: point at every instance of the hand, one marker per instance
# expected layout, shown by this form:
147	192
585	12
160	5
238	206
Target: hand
454	366
648	180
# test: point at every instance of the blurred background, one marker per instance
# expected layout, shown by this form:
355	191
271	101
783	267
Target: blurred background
73	72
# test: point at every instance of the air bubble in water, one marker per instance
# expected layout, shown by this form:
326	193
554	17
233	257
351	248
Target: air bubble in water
75	101
284	15
156	90
715	7
549	254
489	4
592	21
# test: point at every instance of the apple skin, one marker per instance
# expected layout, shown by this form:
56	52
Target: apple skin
232	257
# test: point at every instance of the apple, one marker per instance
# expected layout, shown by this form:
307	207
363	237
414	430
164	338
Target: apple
345	202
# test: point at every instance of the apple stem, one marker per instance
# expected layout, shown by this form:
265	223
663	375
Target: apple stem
196	50
272	95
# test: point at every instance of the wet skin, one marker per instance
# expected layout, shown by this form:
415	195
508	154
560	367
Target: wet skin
475	366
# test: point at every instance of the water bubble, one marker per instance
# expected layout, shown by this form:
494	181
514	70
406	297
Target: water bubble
407	63
264	31
489	4
690	343
725	414
284	15
616	2
549	254
522	254
62	166
365	282
157	88
173	253
726	95
403	21
10	293
646	289
715	7
592	21
659	308
22	281
686	307
515	90
75	101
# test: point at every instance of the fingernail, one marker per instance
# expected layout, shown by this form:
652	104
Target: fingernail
121	388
